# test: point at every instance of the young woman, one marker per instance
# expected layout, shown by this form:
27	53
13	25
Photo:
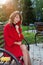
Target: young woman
13	37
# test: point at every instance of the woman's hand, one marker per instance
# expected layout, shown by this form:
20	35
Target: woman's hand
17	28
19	43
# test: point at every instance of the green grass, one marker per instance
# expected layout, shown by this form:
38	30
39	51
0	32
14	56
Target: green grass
39	39
30	37
32	28
24	28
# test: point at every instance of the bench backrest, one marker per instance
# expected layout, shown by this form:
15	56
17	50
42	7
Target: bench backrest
39	26
1	36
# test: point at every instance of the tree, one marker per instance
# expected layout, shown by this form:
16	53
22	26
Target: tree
39	10
28	15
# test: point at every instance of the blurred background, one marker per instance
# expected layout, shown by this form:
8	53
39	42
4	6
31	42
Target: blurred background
32	10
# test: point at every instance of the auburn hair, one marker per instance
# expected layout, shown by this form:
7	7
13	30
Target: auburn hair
13	15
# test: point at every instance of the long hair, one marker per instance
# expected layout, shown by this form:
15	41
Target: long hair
13	15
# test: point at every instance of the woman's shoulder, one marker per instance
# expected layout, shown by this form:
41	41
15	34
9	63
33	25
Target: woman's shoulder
7	25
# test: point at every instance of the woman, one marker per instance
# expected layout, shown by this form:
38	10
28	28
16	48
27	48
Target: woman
13	37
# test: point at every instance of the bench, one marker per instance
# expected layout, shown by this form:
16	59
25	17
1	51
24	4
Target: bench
39	30
1	36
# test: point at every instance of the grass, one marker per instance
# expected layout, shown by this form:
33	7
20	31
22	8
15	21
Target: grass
32	28
30	37
39	39
24	28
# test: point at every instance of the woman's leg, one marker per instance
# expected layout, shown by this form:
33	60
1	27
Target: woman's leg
26	56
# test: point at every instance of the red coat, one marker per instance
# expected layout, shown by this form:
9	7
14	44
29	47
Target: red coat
11	36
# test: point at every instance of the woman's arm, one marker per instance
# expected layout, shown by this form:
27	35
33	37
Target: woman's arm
19	43
8	40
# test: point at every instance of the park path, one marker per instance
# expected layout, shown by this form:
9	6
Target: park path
36	54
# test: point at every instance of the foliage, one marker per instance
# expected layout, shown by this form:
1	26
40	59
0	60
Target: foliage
28	15
30	36
38	9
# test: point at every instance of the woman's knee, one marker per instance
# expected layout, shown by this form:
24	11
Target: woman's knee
23	47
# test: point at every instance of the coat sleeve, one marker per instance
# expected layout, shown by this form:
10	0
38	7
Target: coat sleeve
8	40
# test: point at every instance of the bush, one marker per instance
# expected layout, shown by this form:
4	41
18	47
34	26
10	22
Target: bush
29	37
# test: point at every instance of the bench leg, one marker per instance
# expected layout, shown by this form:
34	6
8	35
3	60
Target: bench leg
35	39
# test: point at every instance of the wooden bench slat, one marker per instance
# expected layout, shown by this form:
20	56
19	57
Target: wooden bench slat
39	28
1	35
1	45
2	41
1	32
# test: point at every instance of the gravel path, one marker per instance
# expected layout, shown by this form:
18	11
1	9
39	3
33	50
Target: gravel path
36	54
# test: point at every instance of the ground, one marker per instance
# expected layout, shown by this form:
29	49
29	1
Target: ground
36	54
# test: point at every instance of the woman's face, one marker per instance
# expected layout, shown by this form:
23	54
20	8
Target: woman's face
16	19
